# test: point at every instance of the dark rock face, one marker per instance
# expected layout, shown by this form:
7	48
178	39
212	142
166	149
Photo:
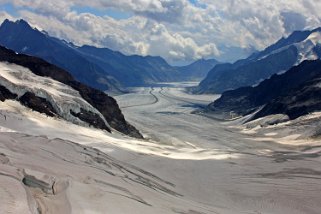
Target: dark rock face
108	107
98	99
293	93
236	101
6	94
39	104
90	118
299	102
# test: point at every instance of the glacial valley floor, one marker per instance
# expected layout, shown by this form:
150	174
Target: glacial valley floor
188	164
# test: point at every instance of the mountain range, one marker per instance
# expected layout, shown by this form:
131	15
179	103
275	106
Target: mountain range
277	58
100	68
265	82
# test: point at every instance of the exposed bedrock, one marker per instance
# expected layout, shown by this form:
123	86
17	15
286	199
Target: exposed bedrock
39	104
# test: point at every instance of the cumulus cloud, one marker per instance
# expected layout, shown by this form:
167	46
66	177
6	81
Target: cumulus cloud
177	30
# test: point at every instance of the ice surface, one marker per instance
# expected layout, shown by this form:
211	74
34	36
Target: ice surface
190	164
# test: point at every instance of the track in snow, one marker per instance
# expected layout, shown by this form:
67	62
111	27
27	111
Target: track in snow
145	104
195	103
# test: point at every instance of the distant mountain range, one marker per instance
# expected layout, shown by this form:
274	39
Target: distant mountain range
197	70
50	90
100	68
138	70
279	57
294	93
20	37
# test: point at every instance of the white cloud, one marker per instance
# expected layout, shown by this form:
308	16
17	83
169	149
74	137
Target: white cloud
4	15
174	29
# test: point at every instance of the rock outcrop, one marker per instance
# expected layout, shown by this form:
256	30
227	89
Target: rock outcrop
39	104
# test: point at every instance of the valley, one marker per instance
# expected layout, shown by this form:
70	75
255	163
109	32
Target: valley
228	170
160	107
188	163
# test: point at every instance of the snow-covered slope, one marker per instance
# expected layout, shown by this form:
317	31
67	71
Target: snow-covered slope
63	98
49	89
307	48
42	170
16	118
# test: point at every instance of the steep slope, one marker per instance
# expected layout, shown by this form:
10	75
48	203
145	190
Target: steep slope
301	101
37	84
22	38
294	93
277	58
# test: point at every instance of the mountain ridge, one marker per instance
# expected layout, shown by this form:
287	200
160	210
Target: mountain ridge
101	68
278	57
293	93
22	38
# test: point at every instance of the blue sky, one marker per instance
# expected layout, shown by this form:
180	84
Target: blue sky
8	8
114	13
180	31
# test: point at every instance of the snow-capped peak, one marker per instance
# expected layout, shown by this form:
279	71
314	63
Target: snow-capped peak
306	49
